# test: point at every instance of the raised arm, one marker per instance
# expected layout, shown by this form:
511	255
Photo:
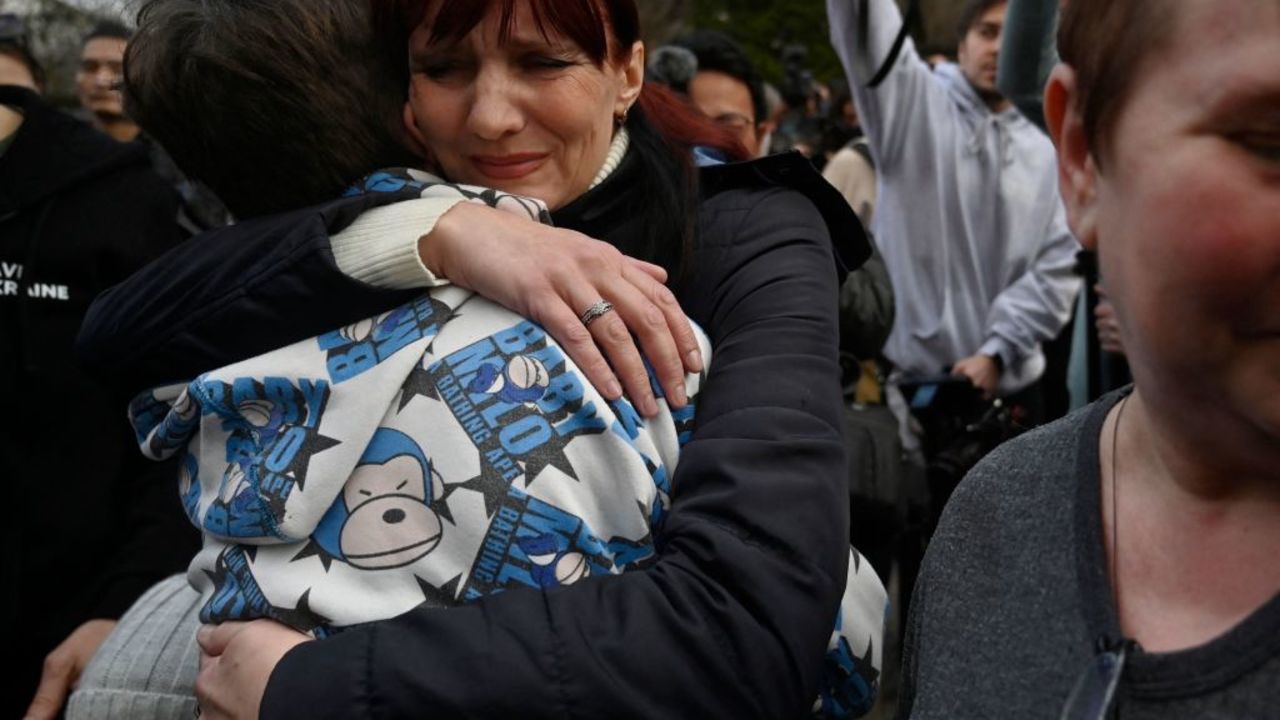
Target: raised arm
863	32
752	557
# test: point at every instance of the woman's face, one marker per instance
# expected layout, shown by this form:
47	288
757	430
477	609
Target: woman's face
533	115
1186	217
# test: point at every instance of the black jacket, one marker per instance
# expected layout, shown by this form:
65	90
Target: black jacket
732	619
90	524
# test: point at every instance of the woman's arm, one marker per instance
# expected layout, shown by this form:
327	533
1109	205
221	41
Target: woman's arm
752	557
241	291
899	113
230	294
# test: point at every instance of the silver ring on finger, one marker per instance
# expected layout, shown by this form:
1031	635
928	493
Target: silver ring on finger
598	310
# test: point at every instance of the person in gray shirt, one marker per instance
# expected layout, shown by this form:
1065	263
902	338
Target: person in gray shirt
1122	562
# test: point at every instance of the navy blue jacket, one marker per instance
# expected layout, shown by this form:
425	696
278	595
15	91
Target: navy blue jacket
732	619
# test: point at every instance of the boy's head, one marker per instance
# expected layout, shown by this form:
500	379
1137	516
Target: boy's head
274	105
726	86
1107	43
100	72
980	26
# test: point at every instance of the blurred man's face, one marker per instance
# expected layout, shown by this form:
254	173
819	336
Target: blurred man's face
726	100
99	76
15	72
979	51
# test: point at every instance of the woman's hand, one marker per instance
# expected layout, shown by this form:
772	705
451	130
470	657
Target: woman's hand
236	660
551	276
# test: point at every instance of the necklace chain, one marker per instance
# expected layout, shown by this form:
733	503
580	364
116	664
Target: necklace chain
1115	504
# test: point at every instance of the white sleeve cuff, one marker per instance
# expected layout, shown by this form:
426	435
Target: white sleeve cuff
381	247
997	346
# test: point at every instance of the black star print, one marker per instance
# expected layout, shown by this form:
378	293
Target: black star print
313	549
302	617
444	596
419	383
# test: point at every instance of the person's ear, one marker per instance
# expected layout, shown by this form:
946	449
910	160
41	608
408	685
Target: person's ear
416	141
632	79
1077	169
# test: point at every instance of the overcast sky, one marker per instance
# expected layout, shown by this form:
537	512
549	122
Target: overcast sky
111	6
116	7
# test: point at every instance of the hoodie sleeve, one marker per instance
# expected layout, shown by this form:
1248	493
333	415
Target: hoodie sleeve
733	618
1036	307
218	297
897	114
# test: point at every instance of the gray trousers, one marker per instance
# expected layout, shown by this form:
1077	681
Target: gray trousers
146	668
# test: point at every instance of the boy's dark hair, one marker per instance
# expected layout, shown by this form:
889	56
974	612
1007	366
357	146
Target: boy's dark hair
16	43
274	105
718	52
108	29
1108	43
970	13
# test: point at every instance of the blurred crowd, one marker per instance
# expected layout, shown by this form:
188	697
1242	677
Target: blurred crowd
999	251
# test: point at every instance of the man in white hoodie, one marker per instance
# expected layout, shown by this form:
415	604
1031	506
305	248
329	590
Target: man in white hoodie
968	217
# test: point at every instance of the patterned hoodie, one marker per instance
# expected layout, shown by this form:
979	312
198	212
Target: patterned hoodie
437	453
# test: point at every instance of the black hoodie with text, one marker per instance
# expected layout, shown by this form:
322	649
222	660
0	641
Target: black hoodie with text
90	524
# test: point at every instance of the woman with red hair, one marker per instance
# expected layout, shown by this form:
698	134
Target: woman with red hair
546	98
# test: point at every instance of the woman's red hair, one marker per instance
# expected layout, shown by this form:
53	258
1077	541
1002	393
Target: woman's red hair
588	24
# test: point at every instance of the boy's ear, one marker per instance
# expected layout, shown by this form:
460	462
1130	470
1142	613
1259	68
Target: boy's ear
1077	169
413	136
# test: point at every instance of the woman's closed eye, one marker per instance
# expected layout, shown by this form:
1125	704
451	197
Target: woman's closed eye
545	63
441	67
1261	144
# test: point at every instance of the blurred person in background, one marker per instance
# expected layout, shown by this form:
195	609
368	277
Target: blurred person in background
98	78
968	219
975	239
850	165
98	88
92	525
774	107
726	87
1122	562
